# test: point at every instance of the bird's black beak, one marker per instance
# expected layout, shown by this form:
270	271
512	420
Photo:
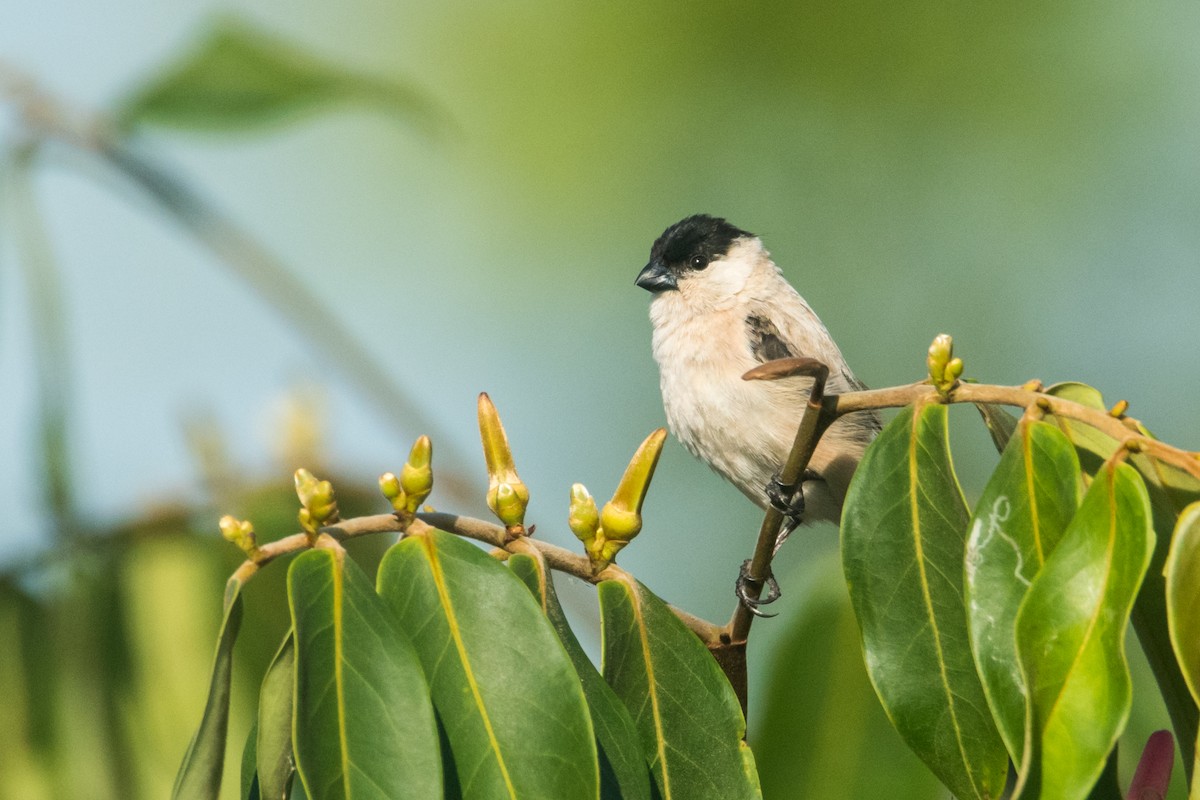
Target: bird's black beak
655	277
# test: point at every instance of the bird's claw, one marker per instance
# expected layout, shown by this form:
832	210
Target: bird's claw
787	499
752	603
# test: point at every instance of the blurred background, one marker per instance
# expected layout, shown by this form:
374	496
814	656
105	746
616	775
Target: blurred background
471	206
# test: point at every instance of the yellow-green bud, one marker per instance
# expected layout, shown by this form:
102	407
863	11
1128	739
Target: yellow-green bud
508	502
583	517
416	478
240	533
308	524
389	485
619	524
944	368
306	485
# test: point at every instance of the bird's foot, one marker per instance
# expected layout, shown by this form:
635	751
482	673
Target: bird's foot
769	584
787	499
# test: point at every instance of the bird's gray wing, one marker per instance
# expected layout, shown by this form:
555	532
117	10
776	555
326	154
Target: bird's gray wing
766	343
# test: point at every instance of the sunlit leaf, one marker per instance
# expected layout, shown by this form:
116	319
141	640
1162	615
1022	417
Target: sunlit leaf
688	718
200	773
623	772
821	732
363	726
275	764
1183	603
505	690
903	533
1171	490
1071	636
237	77
1026	506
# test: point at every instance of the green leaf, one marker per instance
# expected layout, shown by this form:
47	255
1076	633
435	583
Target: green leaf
903	532
200	773
1071	636
623	772
275	763
690	724
1183	603
363	725
1000	424
821	732
1026	506
237	78
1171	490
504	688
249	775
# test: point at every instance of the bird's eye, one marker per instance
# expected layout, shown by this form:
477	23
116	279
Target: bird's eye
699	262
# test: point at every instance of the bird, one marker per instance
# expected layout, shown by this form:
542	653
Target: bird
720	306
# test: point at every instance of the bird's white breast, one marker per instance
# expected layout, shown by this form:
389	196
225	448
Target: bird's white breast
739	427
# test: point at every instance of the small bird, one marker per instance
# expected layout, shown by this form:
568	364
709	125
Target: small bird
721	307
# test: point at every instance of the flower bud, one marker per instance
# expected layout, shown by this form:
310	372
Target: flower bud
389	485
619	524
508	503
416	478
583	518
240	533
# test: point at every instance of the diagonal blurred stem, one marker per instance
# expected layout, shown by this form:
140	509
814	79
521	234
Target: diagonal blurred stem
272	280
50	339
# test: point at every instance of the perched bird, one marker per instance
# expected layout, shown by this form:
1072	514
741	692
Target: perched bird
721	307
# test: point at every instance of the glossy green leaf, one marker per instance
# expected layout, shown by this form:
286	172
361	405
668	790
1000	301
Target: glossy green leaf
363	725
1026	506
275	763
687	716
903	532
1171	490
820	732
238	77
1071	636
505	689
200	773
1183	603
623	771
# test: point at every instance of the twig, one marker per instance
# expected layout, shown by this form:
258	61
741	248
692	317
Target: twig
807	435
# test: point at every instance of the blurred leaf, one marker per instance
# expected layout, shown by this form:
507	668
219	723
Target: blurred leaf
821	732
1026	506
249	759
1071	636
503	686
1000	424
363	725
275	763
238	78
623	772
1183	602
1171	490
686	713
200	773
903	533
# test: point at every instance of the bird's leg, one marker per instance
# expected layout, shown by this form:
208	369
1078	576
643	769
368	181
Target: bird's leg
789	501
752	603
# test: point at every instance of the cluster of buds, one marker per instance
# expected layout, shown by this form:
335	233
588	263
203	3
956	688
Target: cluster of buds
507	495
944	368
318	504
240	533
606	531
407	492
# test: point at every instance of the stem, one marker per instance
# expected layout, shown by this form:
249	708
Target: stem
803	445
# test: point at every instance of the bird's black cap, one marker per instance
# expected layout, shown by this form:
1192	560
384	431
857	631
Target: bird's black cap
688	245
